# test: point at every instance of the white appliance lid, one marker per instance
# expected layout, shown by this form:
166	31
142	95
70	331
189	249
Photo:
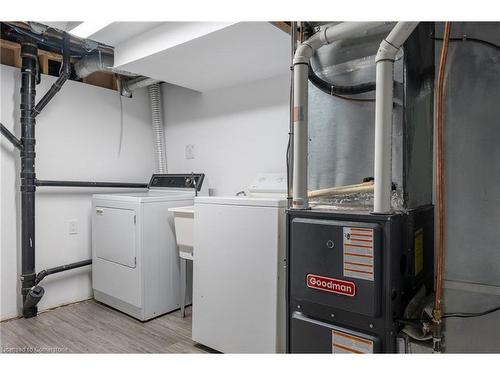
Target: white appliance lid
243	201
149	196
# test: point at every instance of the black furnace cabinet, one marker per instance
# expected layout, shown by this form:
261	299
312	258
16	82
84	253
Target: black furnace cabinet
351	275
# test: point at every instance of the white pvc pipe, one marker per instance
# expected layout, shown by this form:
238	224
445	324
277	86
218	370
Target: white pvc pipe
383	113
300	136
327	34
400	33
348	30
383	116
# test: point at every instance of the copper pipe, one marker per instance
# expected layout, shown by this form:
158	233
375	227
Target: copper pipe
440	175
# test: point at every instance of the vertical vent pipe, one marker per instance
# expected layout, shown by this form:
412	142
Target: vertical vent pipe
29	57
158	132
383	113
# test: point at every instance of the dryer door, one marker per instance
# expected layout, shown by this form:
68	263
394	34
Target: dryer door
114	235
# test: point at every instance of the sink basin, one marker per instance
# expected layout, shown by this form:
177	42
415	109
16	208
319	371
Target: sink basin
183	222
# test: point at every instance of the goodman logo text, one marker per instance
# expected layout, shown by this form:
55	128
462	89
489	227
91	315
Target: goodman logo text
346	288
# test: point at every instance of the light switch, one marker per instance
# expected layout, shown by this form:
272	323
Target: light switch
190	151
73	227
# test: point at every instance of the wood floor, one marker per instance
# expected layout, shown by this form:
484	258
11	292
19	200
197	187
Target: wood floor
91	327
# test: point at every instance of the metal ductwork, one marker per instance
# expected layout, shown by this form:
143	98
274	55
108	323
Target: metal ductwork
93	63
137	83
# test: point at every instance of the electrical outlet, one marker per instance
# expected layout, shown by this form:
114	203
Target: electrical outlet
190	151
73	227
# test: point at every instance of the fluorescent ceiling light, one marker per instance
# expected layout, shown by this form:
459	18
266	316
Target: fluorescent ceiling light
88	28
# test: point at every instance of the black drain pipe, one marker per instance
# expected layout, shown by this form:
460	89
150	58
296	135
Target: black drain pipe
63	77
11	137
36	292
100	184
50	271
29	55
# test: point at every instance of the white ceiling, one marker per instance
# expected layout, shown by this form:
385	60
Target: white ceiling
221	56
112	34
118	32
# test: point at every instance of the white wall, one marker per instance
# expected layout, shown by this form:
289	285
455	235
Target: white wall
237	132
78	138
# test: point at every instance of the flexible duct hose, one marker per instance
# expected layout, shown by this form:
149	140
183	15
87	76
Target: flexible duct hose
331	88
158	133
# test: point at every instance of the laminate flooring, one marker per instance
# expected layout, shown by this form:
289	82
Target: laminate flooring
91	327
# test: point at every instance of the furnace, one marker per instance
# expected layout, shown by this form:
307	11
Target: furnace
358	254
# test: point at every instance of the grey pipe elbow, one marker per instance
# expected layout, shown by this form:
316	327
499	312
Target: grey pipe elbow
393	42
386	51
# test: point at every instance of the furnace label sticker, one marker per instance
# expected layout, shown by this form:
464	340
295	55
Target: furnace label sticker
358	253
343	343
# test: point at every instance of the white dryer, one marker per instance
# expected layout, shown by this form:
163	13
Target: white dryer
239	269
135	263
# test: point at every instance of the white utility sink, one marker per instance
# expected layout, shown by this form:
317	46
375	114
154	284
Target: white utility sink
184	221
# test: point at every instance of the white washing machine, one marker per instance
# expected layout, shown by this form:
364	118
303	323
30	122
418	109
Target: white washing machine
135	262
239	269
